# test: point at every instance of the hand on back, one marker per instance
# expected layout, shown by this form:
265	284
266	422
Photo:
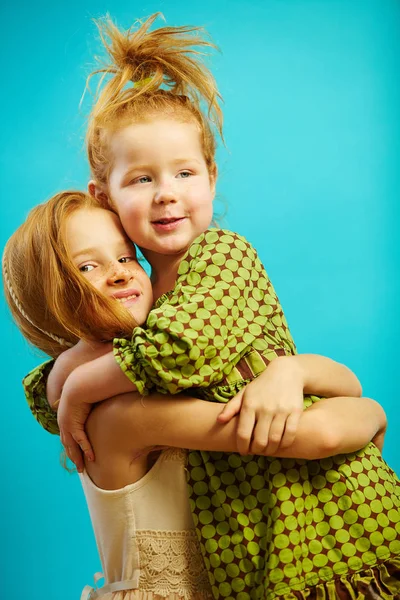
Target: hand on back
72	417
269	409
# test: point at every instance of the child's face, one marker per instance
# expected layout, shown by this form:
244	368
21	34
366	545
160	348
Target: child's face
160	184
107	259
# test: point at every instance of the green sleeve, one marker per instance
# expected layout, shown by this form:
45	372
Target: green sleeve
35	391
221	303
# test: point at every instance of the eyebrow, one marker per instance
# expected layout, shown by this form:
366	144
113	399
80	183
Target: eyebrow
183	160
84	252
145	167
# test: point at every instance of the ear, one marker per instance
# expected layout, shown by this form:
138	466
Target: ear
213	177
97	192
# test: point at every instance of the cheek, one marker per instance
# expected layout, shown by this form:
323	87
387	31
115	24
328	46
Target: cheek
149	291
97	281
131	212
128	199
201	196
93	277
203	201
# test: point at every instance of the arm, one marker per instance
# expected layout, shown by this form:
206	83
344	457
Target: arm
44	384
89	383
95	381
102	378
224	307
129	422
323	376
69	360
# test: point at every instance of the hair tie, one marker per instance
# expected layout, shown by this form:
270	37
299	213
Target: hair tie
142	82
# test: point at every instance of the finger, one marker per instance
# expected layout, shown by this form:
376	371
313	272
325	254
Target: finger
231	408
276	432
55	404
245	430
73	452
261	434
83	442
291	425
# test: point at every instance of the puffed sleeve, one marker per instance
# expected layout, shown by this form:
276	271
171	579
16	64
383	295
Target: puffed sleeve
35	392
221	303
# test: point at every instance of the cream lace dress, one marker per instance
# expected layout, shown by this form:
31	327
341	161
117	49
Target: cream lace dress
145	536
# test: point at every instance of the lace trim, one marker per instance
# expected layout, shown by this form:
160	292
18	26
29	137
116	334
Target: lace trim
171	563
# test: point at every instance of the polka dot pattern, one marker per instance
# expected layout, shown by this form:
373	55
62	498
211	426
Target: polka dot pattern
223	309
280	525
267	527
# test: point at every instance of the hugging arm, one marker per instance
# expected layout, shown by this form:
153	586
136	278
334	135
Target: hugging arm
83	352
223	315
325	428
87	384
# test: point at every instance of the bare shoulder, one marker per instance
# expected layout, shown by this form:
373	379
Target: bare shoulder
111	419
120	456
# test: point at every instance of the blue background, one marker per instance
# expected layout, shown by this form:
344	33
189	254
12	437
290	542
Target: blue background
310	175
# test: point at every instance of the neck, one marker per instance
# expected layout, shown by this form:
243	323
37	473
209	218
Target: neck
164	269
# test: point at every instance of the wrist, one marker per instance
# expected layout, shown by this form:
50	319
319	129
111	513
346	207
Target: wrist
74	386
290	369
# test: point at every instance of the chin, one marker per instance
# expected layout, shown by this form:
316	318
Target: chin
138	318
177	245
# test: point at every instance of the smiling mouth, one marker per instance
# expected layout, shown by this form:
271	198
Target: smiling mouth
167	221
123	296
126	298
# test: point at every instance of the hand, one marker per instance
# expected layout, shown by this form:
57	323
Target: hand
270	408
79	354
71	416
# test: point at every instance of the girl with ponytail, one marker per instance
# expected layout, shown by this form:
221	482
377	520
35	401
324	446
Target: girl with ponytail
268	527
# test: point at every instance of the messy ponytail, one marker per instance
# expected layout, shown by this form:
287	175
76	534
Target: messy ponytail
152	72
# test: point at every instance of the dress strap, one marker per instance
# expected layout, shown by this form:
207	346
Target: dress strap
92	593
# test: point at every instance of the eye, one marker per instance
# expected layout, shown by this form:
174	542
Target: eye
86	268
142	179
184	174
126	259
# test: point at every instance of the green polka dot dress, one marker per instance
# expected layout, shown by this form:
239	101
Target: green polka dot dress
268	528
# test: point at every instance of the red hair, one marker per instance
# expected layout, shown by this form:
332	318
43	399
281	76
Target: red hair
169	79
52	303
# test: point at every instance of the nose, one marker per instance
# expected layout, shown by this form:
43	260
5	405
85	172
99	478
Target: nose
165	193
118	274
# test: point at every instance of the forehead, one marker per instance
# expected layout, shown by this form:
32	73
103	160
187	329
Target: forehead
90	227
157	138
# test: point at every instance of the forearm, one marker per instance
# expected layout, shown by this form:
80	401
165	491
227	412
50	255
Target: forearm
320	375
82	353
325	429
97	380
340	427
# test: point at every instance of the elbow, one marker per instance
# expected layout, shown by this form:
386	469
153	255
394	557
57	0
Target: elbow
330	443
327	441
354	386
349	385
357	389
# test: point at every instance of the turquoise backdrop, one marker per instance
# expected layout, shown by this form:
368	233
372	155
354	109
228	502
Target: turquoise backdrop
310	174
